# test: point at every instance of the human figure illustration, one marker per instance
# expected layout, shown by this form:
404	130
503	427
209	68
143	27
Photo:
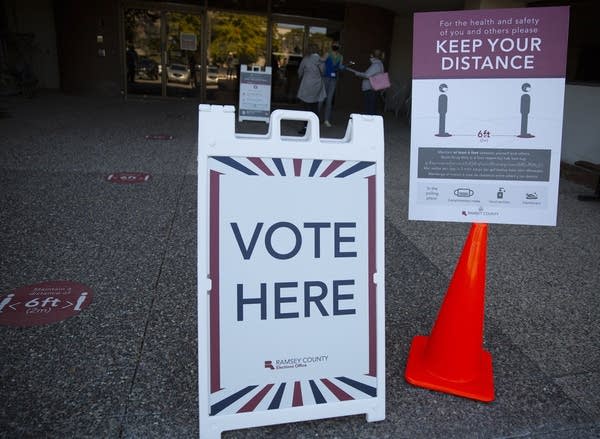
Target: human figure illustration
442	110
525	107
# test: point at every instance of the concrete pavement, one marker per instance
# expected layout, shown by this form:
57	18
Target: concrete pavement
126	366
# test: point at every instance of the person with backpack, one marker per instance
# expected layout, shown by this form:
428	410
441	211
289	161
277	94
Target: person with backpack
333	65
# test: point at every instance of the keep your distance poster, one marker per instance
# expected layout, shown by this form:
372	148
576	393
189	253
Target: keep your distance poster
487	114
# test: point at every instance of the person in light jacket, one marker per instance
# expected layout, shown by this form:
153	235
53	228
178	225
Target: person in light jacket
311	90
370	95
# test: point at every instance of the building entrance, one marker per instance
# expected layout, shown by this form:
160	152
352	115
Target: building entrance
192	52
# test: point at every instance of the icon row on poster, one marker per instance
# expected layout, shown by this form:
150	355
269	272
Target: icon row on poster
517	196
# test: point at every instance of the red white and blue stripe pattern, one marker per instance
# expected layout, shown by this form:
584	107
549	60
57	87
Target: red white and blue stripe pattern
292	394
292	167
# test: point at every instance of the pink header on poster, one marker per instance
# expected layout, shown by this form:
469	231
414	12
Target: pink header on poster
491	43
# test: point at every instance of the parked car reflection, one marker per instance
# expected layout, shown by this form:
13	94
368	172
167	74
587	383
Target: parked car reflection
178	73
181	74
212	77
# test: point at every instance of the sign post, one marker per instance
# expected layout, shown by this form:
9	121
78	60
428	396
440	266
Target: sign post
290	272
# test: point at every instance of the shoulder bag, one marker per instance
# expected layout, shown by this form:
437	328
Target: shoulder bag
380	81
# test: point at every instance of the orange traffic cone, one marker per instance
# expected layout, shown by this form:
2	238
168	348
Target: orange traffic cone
452	359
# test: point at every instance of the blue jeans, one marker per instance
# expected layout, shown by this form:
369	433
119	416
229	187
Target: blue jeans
330	84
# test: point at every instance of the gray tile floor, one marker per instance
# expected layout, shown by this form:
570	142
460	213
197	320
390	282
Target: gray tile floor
126	367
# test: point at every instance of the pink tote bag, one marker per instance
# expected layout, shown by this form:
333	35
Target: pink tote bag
380	81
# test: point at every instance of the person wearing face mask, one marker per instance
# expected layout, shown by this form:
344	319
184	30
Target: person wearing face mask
333	65
370	95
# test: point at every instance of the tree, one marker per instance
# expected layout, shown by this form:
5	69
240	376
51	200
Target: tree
243	35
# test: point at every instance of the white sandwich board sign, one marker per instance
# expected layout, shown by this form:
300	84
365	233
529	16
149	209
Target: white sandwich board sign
487	115
290	272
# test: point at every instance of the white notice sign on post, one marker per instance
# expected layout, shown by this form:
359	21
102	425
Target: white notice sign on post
255	93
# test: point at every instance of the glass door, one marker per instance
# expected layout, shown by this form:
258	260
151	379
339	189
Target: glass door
143	53
183	54
162	54
233	39
289	43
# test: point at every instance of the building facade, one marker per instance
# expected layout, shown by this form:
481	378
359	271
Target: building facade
193	49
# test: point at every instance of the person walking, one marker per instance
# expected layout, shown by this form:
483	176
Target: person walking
132	61
333	65
311	90
370	95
